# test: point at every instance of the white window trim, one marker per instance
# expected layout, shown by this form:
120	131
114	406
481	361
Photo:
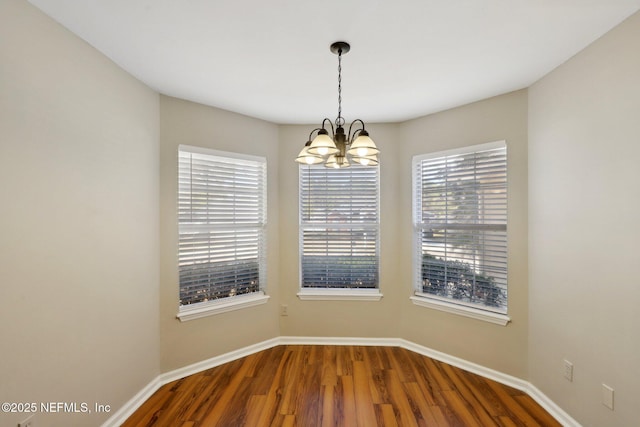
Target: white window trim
223	305
339	294
232	303
430	301
442	304
220	153
461	150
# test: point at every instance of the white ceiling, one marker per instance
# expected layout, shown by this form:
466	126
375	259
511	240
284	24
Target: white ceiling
270	58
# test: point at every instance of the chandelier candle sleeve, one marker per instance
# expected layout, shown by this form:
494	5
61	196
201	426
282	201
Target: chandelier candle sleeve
339	150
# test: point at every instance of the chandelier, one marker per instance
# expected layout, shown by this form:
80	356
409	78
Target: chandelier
338	150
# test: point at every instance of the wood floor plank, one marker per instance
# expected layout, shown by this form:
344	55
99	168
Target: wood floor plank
329	413
473	402
415	393
254	409
434	370
400	400
463	410
439	416
213	416
329	367
331	386
507	422
202	395
266	368
348	397
485	395
536	411
400	365
289	421
219	380
292	378
517	411
425	381
308	402
145	415
343	361
365	412
274	395
388	416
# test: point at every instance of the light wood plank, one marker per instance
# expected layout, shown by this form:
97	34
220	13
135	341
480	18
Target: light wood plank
349	399
388	415
365	412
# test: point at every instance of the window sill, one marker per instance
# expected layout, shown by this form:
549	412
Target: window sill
330	294
474	313
211	308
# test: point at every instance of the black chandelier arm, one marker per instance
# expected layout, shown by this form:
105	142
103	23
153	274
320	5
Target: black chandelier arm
310	135
357	131
333	131
353	137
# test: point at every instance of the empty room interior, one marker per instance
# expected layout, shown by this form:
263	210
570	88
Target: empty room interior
474	149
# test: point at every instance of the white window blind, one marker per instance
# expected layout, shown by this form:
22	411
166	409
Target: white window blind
460	226
339	227
221	222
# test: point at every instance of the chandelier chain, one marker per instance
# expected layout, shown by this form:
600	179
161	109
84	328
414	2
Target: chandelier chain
339	120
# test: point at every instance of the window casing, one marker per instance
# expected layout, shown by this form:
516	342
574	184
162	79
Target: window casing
222	221
460	230
339	230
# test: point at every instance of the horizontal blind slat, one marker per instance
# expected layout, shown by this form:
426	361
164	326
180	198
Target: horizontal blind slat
222	218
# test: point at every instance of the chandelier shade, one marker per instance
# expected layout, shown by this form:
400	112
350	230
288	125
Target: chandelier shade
307	158
363	146
323	144
339	149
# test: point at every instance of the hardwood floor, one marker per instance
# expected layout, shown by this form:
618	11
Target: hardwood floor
306	386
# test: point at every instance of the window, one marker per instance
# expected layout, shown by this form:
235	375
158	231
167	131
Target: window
460	231
339	230
222	227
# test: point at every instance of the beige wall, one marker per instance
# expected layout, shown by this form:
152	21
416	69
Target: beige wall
503	348
183	122
584	201
78	222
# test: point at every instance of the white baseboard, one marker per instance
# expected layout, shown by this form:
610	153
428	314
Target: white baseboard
130	407
525	386
385	342
550	406
176	374
483	371
121	415
134	403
